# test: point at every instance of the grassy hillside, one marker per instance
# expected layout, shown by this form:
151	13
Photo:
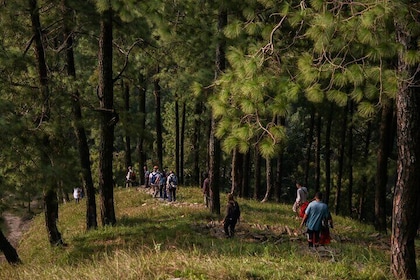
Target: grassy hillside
158	240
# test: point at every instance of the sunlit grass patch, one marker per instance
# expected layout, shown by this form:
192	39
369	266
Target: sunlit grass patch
154	239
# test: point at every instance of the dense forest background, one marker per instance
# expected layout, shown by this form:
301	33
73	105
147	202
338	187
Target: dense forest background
259	94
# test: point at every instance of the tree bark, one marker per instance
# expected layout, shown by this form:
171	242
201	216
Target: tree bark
214	143
51	217
341	162
384	150
279	166
257	173
182	146
83	148
328	155
406	208
126	97
278	176
246	177
108	120
268	180
50	211
237	167
196	143
177	137
364	188
158	121
8	250
310	138
318	153
214	169
142	130
350	161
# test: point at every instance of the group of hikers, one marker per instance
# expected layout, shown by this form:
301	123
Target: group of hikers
163	184
315	214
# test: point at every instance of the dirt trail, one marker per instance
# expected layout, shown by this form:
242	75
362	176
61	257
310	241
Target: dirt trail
16	227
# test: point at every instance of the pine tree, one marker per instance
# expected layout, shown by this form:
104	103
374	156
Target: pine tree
108	117
406	204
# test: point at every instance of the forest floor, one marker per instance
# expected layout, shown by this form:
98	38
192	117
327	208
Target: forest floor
16	225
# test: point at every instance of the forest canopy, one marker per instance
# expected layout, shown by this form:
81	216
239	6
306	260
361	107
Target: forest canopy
259	94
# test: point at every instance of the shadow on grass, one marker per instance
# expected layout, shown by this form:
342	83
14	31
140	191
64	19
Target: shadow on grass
169	231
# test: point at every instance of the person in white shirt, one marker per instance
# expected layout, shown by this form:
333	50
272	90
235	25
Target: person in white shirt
301	199
77	194
129	177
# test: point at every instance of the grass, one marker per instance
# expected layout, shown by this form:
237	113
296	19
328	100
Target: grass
158	240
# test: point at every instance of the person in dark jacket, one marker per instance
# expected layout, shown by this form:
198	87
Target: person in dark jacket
233	214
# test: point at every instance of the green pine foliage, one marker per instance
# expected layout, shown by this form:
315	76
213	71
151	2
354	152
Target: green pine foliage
286	61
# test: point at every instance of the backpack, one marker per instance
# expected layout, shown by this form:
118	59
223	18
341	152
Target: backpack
172	180
133	176
236	212
154	180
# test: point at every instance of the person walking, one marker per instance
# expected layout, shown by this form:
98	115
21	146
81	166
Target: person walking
171	185
146	177
233	214
77	194
301	201
206	190
315	213
154	180
130	177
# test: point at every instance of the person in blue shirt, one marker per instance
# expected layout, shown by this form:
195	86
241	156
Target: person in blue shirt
314	214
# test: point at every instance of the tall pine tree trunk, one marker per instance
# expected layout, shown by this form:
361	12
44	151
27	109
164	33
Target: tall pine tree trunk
8	250
214	143
257	173
279	175
364	188
142	130
237	167
126	97
318	152
341	157
406	208
158	121
182	141
350	161
196	143
108	120
384	150
182	146
268	180
50	194
84	153
246	177
279	166
328	154
177	136
51	217
309	142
